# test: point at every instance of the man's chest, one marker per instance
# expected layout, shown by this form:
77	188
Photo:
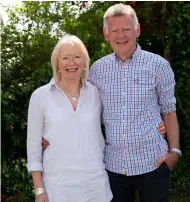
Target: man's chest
129	86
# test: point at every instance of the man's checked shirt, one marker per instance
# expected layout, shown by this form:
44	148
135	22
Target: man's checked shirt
134	93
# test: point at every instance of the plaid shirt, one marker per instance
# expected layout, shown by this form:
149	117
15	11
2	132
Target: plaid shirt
134	93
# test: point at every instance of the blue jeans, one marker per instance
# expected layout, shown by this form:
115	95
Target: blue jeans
151	187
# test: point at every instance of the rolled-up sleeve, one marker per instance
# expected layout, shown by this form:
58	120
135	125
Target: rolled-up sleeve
34	134
166	88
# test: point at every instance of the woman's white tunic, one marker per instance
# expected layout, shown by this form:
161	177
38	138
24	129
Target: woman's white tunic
72	165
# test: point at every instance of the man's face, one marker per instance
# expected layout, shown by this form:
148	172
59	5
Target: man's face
121	35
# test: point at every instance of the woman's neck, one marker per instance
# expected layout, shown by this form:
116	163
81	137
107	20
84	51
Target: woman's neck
70	86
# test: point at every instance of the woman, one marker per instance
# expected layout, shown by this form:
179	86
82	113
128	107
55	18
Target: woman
66	112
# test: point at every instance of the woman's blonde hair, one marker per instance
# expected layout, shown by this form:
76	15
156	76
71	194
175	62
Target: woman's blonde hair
76	43
120	10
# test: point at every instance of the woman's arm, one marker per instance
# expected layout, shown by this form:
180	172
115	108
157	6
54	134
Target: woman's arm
37	179
34	148
40	192
35	133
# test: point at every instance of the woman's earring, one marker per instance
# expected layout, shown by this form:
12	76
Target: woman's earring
59	72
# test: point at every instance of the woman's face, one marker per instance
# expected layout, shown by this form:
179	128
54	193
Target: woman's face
71	62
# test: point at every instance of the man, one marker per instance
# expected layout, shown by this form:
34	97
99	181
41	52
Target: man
136	87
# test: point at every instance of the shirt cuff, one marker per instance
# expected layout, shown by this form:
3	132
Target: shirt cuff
168	108
34	166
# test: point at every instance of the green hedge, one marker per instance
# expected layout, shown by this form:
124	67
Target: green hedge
27	43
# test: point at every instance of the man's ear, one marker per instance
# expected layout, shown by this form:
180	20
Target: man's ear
138	31
105	31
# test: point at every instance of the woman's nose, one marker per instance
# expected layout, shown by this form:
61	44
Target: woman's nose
71	60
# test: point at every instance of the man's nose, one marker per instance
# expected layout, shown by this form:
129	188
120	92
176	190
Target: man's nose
120	34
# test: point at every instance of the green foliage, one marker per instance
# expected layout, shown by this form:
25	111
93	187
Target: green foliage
15	180
27	43
178	31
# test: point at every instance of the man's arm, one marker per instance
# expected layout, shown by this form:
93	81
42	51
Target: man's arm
172	134
172	129
167	102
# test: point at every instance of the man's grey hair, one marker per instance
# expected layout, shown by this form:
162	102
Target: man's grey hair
120	10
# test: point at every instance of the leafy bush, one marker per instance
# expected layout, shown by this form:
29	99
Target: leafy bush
27	43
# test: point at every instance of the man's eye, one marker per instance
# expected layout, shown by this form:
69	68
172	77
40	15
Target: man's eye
114	30
65	58
77	56
126	29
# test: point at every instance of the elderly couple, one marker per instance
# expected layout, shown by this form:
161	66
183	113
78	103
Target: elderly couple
130	91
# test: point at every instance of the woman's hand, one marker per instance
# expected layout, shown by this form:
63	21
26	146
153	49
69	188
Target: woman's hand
45	143
42	198
162	129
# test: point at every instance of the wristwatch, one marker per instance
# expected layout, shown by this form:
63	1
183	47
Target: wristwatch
176	150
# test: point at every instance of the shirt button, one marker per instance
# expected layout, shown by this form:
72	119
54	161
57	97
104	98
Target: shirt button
124	93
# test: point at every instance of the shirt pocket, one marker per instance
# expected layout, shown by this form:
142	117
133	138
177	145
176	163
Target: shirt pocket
143	80
144	86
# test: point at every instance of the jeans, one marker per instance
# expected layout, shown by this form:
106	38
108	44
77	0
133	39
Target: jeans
151	187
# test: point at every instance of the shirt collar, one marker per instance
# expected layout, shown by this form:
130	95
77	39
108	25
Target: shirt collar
52	83
133	56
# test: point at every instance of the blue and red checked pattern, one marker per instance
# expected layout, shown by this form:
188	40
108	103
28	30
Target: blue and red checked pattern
134	93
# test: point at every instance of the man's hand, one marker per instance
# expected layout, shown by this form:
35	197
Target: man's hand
45	143
42	198
162	129
170	159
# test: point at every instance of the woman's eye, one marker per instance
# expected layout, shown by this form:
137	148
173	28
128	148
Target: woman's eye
64	58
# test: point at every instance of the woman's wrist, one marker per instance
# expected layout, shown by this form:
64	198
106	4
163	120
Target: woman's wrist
38	186
39	190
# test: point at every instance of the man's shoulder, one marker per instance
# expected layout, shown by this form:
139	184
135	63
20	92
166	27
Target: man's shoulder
104	60
153	57
155	62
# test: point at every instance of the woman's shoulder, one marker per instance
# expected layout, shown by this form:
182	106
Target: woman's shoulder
93	92
41	91
90	86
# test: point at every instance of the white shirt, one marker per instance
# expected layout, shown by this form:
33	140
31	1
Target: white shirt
75	153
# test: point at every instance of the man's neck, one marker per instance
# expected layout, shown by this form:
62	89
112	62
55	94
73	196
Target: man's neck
127	55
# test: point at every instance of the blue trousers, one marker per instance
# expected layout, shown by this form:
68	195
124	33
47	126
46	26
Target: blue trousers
151	187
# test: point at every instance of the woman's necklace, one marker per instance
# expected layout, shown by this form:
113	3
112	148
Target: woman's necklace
72	95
